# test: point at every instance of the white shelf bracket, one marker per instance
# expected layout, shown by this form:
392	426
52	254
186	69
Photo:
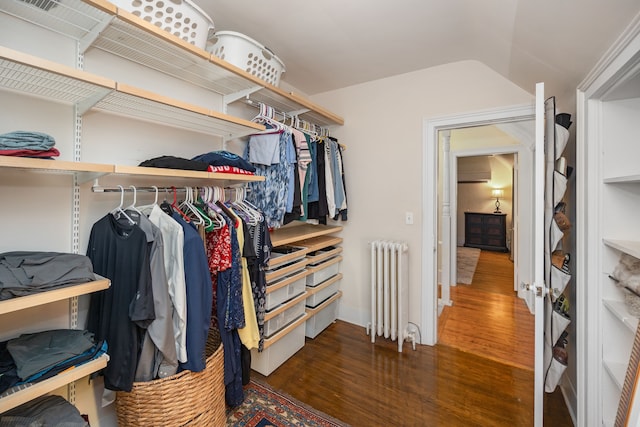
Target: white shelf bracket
87	41
298	112
88	103
233	97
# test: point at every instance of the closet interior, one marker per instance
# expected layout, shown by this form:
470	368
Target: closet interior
116	92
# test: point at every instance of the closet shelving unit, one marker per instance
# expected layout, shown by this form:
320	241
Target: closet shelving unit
24	394
609	117
56	82
100	24
291	338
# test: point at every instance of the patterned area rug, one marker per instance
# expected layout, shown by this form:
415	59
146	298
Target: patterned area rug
265	407
466	264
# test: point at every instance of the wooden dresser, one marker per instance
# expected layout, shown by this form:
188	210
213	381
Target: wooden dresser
486	231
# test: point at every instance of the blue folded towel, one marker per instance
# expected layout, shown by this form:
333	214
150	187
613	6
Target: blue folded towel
26	140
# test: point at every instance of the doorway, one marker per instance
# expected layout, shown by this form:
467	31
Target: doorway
517	121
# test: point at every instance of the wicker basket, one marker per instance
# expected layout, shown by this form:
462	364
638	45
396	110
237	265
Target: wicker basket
188	398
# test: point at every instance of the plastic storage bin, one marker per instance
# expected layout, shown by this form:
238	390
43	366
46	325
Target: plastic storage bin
318	256
322	316
285	255
283	317
248	54
285	289
279	348
317	295
182	18
285	270
321	272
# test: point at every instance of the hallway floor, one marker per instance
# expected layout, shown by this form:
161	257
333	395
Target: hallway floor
502	325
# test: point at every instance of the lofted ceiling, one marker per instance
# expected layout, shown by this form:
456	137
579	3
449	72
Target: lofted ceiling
331	44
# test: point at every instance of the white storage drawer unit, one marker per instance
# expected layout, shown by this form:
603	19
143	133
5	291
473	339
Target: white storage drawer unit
299	251
284	315
278	348
286	254
323	271
284	270
320	255
285	289
317	295
321	317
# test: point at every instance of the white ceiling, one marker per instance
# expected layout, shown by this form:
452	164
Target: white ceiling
330	44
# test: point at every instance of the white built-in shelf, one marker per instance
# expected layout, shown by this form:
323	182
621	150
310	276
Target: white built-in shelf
41	388
617	371
630	247
631	179
297	232
28	301
56	82
100	24
313	311
619	310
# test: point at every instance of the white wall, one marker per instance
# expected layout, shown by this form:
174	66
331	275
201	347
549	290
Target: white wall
384	135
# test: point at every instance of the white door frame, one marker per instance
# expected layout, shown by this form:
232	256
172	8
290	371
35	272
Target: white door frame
431	127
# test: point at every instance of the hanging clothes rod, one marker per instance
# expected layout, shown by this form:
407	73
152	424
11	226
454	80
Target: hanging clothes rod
300	123
99	189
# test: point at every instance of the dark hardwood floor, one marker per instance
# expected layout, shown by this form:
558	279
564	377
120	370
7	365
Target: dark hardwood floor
343	374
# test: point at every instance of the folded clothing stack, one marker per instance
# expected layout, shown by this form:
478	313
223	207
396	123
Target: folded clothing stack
213	161
29	272
28	144
35	357
44	411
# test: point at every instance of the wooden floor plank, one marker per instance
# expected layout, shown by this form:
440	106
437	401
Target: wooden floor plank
487	318
343	374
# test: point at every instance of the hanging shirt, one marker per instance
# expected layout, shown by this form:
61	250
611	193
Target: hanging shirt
173	239
119	314
336	174
198	285
304	159
219	256
230	318
262	248
270	196
291	173
158	357
249	335
264	149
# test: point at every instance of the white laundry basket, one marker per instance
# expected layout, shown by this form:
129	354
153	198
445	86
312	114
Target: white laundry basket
246	53
182	18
